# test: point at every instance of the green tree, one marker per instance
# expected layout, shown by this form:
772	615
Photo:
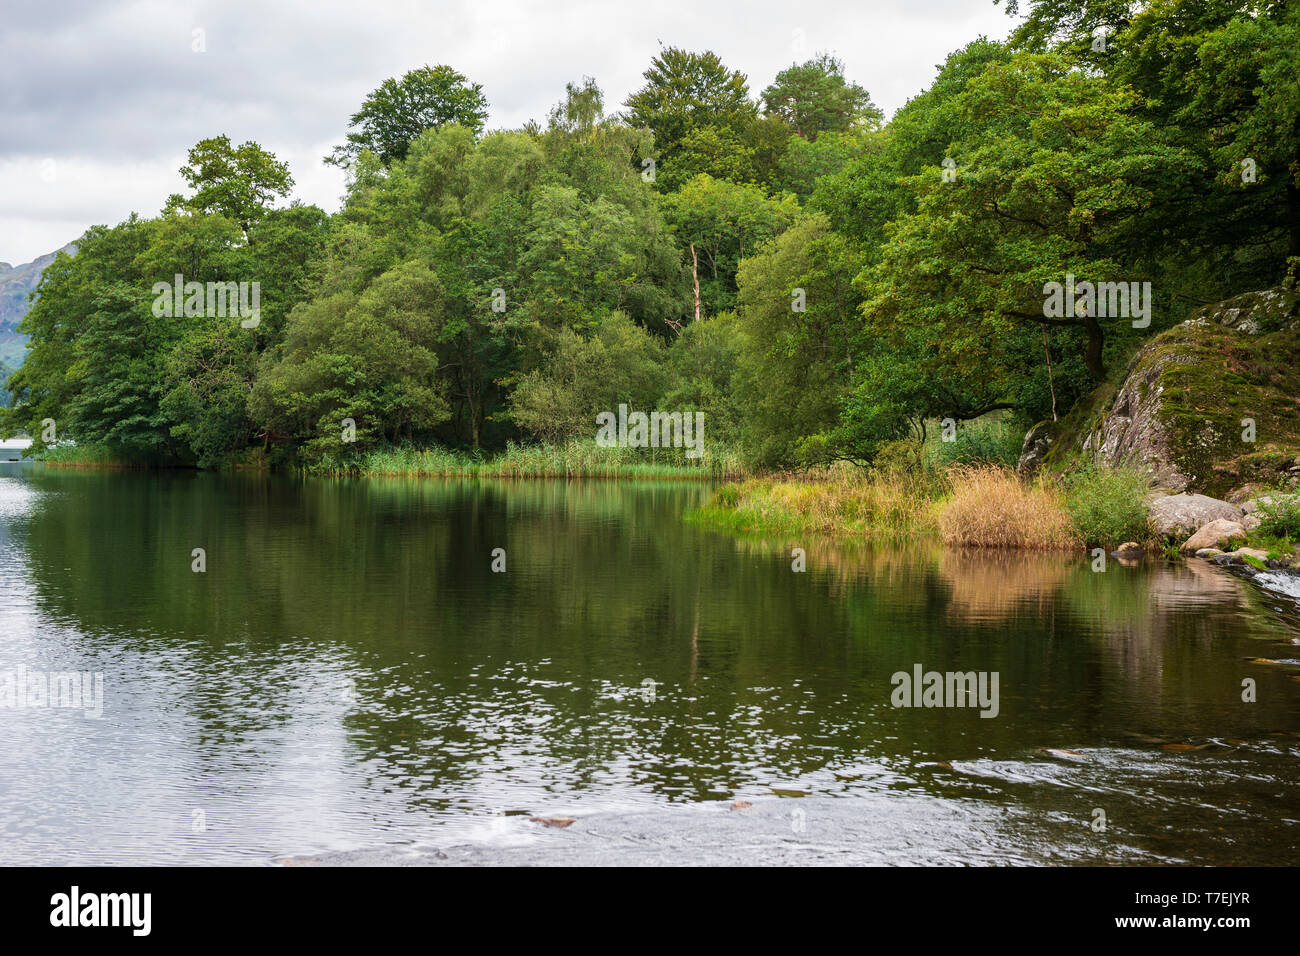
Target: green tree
866	192
1219	78
1058	168
718	152
815	98
725	222
685	91
371	358
393	115
800	342
702	364
236	182
585	258
582	375
117	377
207	378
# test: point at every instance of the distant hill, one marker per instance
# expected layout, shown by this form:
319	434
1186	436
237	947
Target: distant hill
15	283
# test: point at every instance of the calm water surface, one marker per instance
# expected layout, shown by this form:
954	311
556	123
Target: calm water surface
349	681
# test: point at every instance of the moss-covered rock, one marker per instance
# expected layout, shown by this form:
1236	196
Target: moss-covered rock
1210	405
1272	310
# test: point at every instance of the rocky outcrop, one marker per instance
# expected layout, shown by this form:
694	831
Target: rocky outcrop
1210	405
1037	442
1255	313
1178	516
1132	433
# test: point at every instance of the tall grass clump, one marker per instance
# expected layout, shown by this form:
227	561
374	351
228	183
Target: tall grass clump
71	455
889	501
1107	505
991	508
572	460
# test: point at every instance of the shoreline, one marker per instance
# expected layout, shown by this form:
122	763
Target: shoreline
967	507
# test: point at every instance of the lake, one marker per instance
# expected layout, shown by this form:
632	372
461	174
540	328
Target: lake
348	680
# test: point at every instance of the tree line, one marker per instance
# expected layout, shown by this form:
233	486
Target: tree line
816	280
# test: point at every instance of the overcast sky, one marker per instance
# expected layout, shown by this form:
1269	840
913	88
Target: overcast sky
102	98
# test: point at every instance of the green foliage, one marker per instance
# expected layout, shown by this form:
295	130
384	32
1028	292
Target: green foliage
1056	168
683	92
1279	517
799	342
585	257
207	379
393	115
718	152
910	462
1219	77
573	459
804	164
371	358
581	376
989	441
725	223
236	182
815	98
1108	506
116	374
701	372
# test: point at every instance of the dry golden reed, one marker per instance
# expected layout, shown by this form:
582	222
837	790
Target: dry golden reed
990	507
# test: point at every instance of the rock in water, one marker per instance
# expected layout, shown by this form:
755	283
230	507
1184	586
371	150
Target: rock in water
1178	516
1216	534
554	821
1251	560
1062	754
1129	549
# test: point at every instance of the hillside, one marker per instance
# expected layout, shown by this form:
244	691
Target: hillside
16	282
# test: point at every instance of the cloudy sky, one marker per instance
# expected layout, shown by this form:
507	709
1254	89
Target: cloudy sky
101	98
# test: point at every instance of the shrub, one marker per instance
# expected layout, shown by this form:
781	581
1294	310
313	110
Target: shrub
907	463
1279	517
1107	505
982	442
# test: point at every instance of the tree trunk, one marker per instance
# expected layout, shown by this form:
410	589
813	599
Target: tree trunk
1092	355
1047	354
1293	195
695	274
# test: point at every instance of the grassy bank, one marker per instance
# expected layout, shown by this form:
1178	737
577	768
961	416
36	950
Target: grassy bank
912	493
574	460
89	456
974	506
840	500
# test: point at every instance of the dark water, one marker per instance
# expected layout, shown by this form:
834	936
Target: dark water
350	681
